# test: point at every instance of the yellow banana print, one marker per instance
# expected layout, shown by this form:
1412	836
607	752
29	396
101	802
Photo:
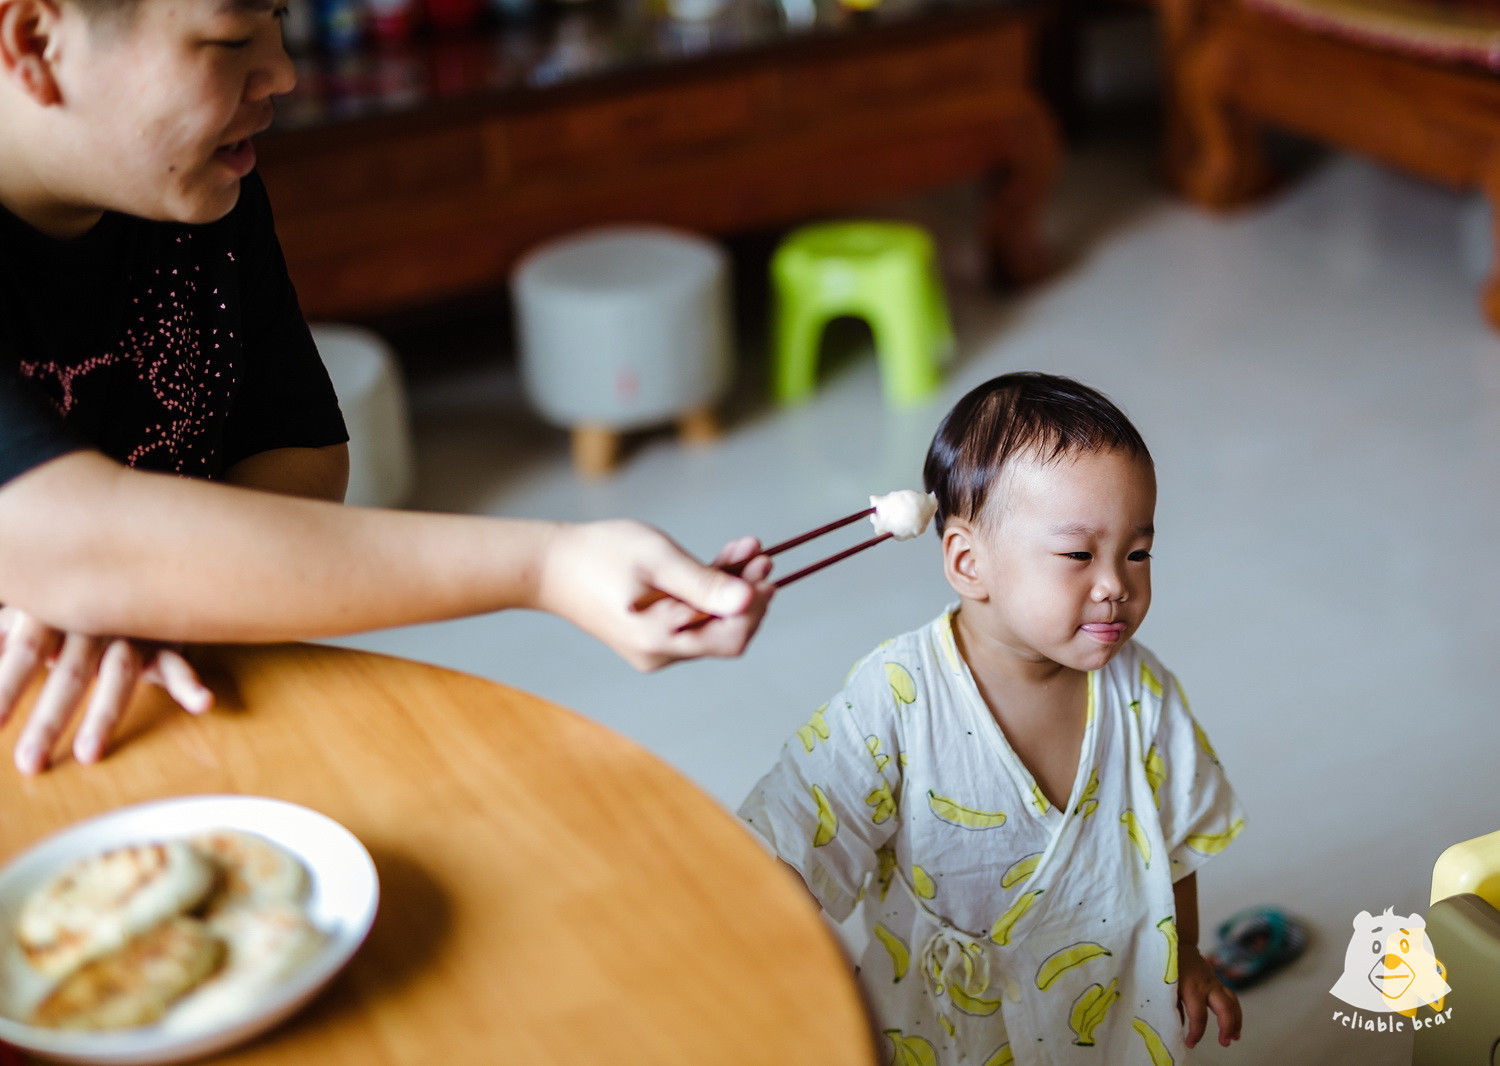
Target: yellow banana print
1089	807
982	1008
1156	774
922	883
883	802
911	1050
1208	749
1213	843
1090	789
957	814
1003	1056
1153	685
902	686
1168	927
1063	960
815	730
885	869
1160	1056
1038	800
828	822
872	744
896	947
1089	1009
1138	835
1000	932
1182	695
1020	870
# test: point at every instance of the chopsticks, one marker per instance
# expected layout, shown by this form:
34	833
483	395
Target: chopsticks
811	568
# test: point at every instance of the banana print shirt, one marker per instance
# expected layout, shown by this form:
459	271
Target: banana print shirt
1002	929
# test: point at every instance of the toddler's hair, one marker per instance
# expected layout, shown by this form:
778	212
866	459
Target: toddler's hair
1027	412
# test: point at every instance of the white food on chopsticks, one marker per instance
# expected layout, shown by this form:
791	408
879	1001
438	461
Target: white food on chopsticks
903	514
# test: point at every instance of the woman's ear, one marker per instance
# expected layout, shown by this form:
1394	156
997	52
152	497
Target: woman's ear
961	560
28	29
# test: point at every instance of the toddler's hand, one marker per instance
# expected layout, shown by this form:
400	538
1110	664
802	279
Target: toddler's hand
1199	990
115	666
631	587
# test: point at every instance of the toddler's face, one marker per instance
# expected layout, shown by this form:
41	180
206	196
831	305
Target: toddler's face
161	108
1065	560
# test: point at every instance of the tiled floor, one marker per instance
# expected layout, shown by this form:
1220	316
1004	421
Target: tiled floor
1324	406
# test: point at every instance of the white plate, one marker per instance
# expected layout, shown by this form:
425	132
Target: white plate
342	904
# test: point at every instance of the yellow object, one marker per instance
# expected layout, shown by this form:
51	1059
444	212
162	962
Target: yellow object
1060	962
1000	933
1139	838
1168	927
922	883
902	686
910	1050
1213	843
957	814
1469	866
828	822
1160	1056
882	272
896	947
1089	1009
1020	870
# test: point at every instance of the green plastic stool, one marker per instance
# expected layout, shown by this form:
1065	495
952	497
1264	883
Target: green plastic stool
882	272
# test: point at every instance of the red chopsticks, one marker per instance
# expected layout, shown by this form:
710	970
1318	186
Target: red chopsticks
811	568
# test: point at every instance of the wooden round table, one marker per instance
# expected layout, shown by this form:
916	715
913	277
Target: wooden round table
551	893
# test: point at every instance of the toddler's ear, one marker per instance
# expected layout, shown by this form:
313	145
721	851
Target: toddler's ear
960	565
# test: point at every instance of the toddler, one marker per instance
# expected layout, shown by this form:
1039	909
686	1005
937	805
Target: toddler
1017	793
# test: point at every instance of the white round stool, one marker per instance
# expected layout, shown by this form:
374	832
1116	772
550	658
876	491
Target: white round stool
621	328
367	380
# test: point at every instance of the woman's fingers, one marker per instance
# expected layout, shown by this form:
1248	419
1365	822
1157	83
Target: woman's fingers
119	672
175	674
27	644
73	669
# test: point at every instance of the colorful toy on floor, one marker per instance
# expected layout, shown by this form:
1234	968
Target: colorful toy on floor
1254	943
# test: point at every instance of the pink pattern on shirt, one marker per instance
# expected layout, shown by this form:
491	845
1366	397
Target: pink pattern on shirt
165	341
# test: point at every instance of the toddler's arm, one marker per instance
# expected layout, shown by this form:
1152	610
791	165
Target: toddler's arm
1198	988
90	546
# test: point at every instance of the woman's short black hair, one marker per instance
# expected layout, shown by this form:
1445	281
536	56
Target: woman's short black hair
1027	412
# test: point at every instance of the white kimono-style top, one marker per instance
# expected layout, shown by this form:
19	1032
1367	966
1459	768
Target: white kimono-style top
1001	928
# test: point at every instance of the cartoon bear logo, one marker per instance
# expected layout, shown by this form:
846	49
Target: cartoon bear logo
1389	965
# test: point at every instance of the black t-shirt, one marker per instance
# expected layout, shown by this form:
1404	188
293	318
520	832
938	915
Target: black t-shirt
167	347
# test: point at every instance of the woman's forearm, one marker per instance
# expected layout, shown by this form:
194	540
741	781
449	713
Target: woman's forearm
88	546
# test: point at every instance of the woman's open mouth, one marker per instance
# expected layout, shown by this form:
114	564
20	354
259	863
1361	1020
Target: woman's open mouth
238	157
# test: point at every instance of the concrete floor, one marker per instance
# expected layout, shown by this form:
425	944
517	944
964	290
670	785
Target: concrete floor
1323	402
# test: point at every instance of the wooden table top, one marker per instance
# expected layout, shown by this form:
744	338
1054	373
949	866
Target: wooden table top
551	893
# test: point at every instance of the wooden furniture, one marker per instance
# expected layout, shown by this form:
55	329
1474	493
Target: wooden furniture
1234	70
419	175
551	893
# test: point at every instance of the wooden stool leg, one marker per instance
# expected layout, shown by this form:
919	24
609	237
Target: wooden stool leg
1017	195
1489	295
595	449
1221	160
697	428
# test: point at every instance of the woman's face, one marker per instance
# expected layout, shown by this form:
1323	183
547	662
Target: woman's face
160	105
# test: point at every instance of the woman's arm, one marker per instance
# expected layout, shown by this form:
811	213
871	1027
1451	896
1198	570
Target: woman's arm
89	546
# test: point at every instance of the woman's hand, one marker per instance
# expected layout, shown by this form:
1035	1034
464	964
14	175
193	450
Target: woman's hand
113	665
1199	990
631	587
